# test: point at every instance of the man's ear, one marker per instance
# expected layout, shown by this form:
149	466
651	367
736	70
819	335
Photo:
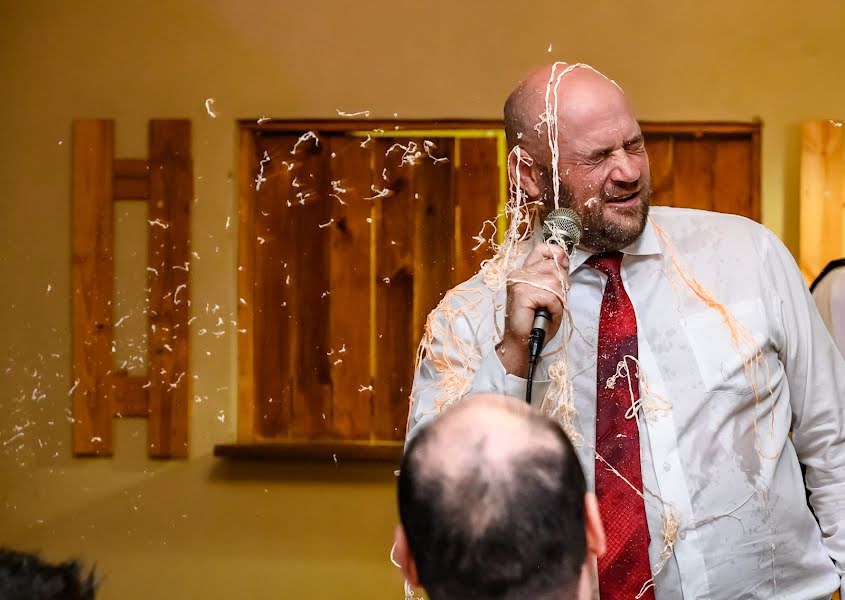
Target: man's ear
402	555
594	528
528	177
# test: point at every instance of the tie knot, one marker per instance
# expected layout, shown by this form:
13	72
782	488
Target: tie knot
608	263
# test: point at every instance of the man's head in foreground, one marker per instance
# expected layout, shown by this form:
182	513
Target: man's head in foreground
493	504
25	576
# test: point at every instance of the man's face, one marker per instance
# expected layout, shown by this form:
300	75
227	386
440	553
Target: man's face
604	173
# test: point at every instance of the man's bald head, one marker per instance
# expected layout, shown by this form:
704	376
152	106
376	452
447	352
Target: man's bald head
577	86
580	147
491	497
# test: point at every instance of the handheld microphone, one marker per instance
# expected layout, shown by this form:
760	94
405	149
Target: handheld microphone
561	227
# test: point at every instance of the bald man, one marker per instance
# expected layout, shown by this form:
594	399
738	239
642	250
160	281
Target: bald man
693	350
493	505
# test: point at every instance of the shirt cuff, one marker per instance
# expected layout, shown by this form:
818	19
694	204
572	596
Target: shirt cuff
492	377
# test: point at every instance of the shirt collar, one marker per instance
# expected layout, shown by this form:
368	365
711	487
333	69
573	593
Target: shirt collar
646	244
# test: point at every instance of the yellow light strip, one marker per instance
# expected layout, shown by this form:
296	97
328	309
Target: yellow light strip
502	160
429	133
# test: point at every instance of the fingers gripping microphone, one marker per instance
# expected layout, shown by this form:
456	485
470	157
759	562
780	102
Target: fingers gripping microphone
561	227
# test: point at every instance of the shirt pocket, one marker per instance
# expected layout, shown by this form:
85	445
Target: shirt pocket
726	365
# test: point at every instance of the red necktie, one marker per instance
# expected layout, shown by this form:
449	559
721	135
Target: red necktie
625	567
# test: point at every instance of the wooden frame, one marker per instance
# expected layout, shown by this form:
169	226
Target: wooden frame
250	446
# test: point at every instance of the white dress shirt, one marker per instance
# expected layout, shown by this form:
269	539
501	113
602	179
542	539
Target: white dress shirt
715	444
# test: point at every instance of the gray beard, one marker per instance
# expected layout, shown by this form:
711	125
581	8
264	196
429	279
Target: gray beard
597	235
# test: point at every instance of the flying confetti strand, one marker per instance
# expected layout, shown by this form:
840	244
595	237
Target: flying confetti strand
410	154
259	179
427	146
308	135
362	113
379	193
208	104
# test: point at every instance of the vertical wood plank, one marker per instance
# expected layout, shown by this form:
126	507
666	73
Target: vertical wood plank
307	257
732	177
272	291
476	202
248	279
434	219
692	177
821	196
350	279
394	337
756	149
171	191
93	274
660	156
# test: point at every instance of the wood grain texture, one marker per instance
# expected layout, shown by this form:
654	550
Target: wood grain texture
821	200
171	192
93	286
476	196
350	278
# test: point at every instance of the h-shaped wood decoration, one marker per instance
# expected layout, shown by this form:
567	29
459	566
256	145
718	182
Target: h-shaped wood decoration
101	391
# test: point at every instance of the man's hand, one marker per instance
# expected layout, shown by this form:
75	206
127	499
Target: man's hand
540	283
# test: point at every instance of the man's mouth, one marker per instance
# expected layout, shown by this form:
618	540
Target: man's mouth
624	200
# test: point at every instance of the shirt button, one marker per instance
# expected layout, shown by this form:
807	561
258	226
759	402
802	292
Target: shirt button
683	535
667	466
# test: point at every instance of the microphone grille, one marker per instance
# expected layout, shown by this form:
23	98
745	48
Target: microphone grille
562	225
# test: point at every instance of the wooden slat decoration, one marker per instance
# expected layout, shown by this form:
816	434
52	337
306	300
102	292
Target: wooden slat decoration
171	192
350	277
248	280
434	221
103	392
269	286
822	195
93	273
128	394
131	179
477	202
394	283
693	173
732	177
307	255
349	244
661	161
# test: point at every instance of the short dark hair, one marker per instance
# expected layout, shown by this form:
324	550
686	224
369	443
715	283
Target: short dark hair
25	576
530	541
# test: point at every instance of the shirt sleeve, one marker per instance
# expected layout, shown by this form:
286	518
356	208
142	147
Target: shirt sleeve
453	362
815	373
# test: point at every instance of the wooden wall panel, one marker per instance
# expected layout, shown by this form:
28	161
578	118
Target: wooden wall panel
661	159
434	221
307	255
395	282
356	265
732	177
693	173
93	275
349	317
248	395
476	197
171	193
272	303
